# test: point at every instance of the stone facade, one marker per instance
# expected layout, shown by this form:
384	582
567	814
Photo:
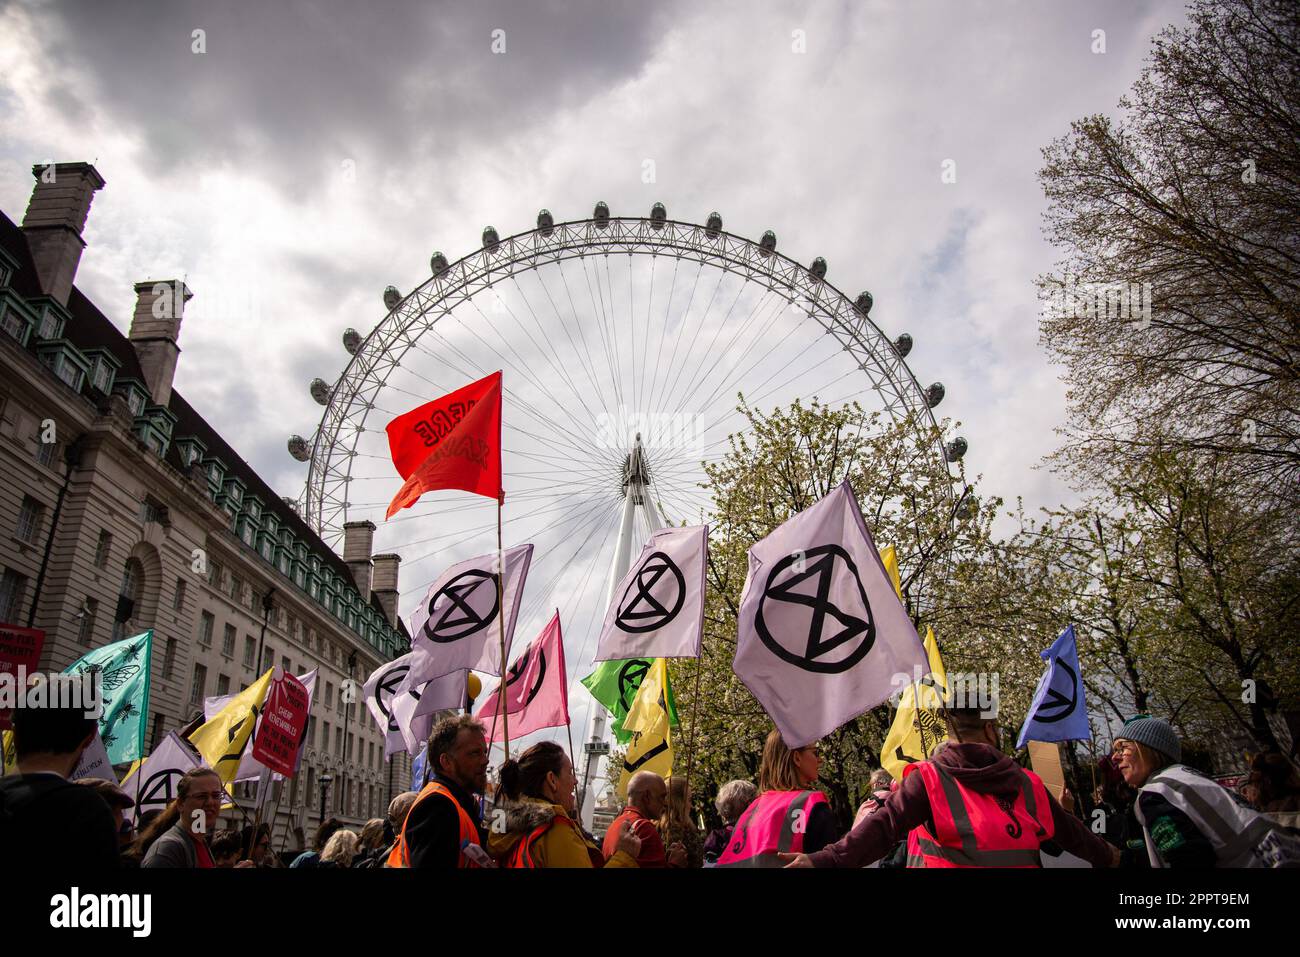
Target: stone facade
121	509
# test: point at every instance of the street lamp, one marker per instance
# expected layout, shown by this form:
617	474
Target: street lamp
325	781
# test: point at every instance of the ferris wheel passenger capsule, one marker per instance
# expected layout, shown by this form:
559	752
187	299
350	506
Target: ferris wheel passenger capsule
391	297
601	215
903	345
546	222
713	226
658	216
298	448
320	391
863	303
767	245
934	394
351	341
490	238
437	264
955	449
818	268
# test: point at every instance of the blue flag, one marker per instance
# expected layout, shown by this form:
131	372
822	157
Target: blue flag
1059	711
417	769
123	667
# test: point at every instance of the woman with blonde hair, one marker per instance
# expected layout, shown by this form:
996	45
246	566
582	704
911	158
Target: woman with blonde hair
788	816
340	849
675	824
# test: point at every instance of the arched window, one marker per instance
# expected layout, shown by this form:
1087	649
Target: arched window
129	595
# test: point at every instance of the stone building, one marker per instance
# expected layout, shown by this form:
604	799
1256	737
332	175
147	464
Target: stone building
122	509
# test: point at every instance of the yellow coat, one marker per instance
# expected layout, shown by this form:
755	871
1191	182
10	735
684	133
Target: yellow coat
560	846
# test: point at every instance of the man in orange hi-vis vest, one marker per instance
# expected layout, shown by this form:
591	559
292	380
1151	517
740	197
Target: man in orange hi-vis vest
968	806
443	829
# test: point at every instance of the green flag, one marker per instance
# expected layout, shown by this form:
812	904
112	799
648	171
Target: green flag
124	686
614	684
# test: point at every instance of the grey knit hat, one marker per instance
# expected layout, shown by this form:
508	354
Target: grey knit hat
1154	733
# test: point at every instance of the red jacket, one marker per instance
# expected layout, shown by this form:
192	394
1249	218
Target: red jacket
652	845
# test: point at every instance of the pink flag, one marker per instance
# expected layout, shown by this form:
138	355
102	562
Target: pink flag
821	634
536	689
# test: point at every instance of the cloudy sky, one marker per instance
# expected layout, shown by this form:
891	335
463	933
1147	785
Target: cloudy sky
315	152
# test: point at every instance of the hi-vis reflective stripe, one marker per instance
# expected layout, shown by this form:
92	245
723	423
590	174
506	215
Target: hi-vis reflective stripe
1016	857
970	855
1230	842
784	842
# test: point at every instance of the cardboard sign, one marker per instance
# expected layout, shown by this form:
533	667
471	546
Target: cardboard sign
18	647
284	715
1045	759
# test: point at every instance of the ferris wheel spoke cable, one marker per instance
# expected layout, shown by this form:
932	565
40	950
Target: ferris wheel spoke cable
525	407
719	389
666	398
681	326
757	310
526	376
613	324
590	366
752	342
663	334
558	364
599	315
791	361
593	522
704	354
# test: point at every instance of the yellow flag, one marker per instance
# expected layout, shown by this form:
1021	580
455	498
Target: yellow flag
221	741
652	740
10	752
889	558
916	732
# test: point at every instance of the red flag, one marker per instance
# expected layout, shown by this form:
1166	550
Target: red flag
451	442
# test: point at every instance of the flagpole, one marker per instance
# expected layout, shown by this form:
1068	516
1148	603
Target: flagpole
501	626
695	698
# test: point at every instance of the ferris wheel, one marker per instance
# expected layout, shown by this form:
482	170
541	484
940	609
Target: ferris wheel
626	344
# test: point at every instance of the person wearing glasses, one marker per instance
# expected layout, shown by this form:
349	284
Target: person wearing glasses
1189	820
788	815
179	836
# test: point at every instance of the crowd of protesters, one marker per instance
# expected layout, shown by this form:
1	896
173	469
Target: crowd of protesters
968	805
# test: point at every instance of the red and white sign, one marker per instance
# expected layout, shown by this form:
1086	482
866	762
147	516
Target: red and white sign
283	717
19	647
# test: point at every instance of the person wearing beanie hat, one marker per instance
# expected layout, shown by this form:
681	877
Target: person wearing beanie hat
1188	820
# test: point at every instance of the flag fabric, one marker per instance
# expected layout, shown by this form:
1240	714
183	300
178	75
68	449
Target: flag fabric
1059	711
535	689
123	667
917	731
156	786
378	692
221	740
417	770
456	629
10	751
415	711
452	442
249	767
821	632
658	607
651	748
614	685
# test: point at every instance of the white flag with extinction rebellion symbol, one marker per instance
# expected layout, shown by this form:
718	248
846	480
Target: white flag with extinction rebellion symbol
821	632
456	626
658	607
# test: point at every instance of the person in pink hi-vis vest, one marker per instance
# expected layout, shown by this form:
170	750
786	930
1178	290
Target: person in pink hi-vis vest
787	816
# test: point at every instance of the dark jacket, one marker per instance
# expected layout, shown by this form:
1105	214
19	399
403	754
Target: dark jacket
981	768
433	827
716	842
173	848
47	821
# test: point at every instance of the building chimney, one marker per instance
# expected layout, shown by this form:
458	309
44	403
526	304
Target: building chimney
54	220
155	329
358	538
385	585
